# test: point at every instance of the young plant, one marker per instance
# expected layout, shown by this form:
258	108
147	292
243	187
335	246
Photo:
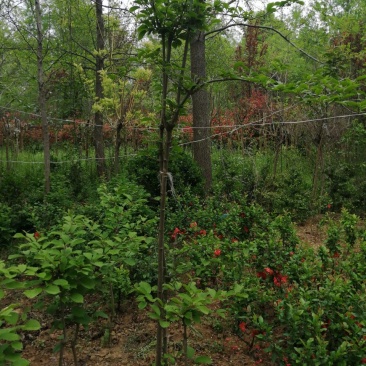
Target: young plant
187	306
13	318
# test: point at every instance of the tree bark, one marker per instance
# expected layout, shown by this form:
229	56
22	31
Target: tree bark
99	94
201	110
42	99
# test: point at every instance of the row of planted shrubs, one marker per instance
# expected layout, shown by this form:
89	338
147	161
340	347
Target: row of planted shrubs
289	188
296	303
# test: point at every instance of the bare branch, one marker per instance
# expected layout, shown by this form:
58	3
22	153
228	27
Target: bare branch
266	28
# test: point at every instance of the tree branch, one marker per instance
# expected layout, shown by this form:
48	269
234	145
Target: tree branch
267	28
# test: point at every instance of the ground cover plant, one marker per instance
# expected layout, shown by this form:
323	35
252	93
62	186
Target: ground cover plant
233	268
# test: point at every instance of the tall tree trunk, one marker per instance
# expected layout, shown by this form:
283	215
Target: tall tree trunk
42	99
201	110
99	94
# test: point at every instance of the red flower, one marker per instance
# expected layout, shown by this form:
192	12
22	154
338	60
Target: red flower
175	233
37	235
336	255
280	280
242	326
363	361
242	214
329	206
255	332
269	271
234	240
262	275
203	232
234	348
291	254
246	229
193	224
217	253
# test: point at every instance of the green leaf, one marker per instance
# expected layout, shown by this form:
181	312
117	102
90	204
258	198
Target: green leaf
13	285
190	352
17	346
78	298
203	360
22	268
144	287
12	318
32	324
53	290
142	305
87	283
19	236
2	293
8	335
31	294
133	8
164	324
100	314
156	309
203	309
130	261
20	362
61	282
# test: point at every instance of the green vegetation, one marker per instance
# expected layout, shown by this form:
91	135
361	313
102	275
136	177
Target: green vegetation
166	157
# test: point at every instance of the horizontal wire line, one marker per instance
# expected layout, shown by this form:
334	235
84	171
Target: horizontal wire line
63	161
259	122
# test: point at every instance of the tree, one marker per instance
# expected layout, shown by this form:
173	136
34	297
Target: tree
99	67
42	97
201	108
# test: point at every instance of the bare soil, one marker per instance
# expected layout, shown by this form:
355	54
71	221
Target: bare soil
132	342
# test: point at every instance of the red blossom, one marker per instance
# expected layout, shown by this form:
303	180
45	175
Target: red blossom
269	271
363	361
175	233
329	206
262	275
37	235
242	214
234	348
234	240
193	224
217	253
255	332
203	232
242	326
279	280
336	255
246	229
291	254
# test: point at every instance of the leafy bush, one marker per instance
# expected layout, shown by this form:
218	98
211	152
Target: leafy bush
184	171
346	170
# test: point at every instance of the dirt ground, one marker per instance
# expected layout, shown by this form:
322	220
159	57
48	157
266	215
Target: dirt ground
132	342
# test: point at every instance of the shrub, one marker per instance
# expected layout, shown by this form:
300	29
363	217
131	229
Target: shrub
184	171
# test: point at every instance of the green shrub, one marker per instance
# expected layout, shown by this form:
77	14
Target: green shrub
184	171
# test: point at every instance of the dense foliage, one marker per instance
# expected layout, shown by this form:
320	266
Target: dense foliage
114	91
